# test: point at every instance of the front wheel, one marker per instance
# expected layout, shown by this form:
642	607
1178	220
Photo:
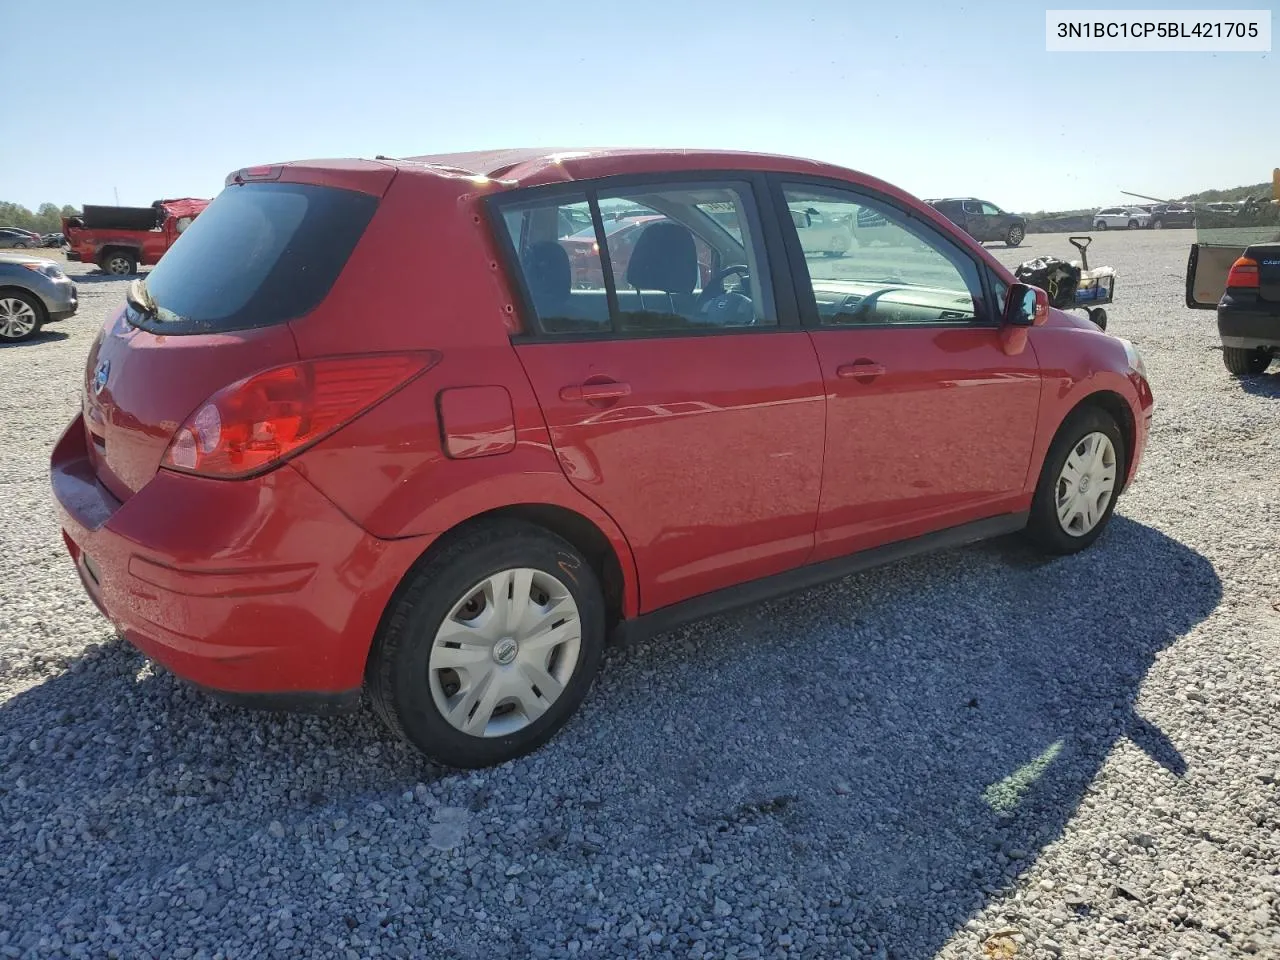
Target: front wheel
1014	236
20	316
491	648
1242	362
1157	224
1079	483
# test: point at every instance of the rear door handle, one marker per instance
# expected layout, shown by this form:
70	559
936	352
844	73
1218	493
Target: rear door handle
595	391
860	369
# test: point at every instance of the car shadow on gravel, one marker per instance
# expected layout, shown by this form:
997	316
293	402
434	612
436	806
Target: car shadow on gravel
44	336
104	278
855	769
1262	385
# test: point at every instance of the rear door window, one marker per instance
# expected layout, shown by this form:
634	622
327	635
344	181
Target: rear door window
260	254
653	260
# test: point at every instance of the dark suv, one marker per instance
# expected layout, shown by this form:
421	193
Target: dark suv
982	219
1166	215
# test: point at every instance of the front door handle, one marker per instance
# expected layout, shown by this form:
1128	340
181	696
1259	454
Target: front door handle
595	391
860	370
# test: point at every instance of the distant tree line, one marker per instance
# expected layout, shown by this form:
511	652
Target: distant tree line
48	219
1259	191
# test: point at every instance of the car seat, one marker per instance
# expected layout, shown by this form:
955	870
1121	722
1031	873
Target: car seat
665	258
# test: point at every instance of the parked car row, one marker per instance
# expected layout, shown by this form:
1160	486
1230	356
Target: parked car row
1157	216
17	238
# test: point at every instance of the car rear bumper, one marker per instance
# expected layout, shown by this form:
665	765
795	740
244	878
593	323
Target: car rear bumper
1248	325
260	591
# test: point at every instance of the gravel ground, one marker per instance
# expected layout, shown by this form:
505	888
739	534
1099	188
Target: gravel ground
972	755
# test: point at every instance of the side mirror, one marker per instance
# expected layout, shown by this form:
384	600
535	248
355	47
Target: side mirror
1026	306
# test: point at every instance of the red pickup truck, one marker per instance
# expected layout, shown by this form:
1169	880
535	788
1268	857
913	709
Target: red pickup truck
119	239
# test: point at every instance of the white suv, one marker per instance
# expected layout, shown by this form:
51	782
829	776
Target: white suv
1130	218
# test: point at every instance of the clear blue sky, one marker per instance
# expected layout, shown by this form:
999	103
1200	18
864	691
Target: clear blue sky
165	98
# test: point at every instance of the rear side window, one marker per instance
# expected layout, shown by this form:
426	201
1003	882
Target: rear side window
260	254
665	259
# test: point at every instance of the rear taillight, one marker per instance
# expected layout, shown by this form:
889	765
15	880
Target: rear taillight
258	423
1243	273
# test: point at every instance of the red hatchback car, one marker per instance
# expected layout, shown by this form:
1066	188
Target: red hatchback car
323	449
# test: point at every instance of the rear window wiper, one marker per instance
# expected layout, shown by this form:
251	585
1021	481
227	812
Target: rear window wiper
140	298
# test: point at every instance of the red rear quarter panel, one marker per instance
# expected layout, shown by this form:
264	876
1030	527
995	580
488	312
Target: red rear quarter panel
426	276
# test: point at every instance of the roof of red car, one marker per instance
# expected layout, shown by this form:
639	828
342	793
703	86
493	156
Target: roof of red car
529	166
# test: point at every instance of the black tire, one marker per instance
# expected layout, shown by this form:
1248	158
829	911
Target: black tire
1157	224
1242	362
1133	224
119	263
1099	317
35	306
1100	225
1015	236
397	673
1043	528
20	245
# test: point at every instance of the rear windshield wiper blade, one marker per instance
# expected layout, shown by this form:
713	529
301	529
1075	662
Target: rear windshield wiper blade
140	297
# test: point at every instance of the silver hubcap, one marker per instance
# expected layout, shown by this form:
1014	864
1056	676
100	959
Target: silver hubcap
118	265
17	319
1086	484
505	652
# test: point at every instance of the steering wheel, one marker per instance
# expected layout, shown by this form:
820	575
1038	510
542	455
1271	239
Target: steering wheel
715	286
731	308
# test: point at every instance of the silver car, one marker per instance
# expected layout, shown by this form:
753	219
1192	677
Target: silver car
33	291
14	237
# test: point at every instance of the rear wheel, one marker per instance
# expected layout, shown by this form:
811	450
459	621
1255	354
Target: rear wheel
1243	362
119	264
1099	317
1079	483
1133	224
1100	225
1014	236
20	316
491	648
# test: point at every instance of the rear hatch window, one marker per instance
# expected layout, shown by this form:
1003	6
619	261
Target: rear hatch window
261	254
214	310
